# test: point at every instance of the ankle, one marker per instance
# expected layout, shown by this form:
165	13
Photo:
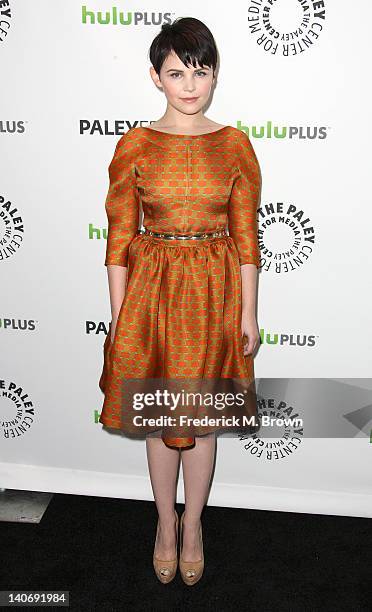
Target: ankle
192	522
167	522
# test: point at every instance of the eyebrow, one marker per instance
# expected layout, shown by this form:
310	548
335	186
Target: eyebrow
178	70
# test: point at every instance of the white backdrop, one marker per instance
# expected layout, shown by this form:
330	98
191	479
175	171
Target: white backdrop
70	87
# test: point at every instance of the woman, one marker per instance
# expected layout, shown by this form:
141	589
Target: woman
182	291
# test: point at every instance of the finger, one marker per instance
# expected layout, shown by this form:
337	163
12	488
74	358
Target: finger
246	347
249	347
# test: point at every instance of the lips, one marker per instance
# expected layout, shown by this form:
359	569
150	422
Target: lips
189	99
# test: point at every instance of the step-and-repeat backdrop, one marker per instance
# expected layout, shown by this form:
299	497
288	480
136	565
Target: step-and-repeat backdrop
294	75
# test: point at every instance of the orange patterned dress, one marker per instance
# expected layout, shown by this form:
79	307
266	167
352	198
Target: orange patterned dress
181	314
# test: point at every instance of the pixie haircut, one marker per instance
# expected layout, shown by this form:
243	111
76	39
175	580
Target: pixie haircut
190	39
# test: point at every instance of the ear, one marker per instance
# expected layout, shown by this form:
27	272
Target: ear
155	77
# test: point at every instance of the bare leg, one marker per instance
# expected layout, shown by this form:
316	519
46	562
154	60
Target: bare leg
197	465
163	465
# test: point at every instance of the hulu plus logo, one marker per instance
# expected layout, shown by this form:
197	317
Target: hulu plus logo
281	132
94	233
117	17
287	338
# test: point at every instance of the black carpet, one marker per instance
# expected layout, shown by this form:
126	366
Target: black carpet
100	549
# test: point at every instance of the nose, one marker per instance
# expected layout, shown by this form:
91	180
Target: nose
189	84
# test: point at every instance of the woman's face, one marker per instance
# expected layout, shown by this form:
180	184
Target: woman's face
180	82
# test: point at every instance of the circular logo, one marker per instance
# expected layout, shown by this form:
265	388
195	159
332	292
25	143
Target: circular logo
286	237
11	229
286	27
5	20
17	412
280	433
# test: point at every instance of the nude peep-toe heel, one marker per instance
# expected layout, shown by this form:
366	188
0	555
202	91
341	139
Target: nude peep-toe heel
191	571
166	570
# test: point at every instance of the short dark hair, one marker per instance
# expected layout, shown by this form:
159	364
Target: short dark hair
190	39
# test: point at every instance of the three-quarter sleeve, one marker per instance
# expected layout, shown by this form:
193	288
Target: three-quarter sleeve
243	203
122	203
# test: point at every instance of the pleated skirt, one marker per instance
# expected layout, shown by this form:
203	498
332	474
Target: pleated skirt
180	319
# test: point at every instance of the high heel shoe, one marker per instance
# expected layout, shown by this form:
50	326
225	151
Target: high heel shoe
166	570
191	571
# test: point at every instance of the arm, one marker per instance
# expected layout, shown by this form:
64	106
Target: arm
244	201
122	209
117	278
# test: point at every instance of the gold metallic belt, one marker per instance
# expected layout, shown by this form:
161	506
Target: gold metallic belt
168	236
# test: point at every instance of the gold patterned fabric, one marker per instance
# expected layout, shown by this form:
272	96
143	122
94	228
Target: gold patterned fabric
181	314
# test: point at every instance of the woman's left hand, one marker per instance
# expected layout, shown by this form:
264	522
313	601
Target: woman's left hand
249	328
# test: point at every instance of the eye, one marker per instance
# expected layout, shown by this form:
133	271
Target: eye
201	72
173	74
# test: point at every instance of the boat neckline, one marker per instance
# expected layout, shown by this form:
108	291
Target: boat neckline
186	135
